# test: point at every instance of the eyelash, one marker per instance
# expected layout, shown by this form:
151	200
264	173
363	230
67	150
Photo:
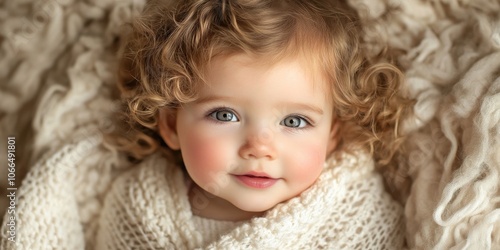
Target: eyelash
209	114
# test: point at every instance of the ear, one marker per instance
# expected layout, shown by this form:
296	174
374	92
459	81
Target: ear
167	126
333	137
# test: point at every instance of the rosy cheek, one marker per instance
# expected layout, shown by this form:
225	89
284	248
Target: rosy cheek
309	163
202	156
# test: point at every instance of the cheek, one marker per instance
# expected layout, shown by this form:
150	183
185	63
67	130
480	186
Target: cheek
308	162
203	156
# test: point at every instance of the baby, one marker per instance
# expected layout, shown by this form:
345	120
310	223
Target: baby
253	124
251	98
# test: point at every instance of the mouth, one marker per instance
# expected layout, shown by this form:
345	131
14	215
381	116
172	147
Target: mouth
256	180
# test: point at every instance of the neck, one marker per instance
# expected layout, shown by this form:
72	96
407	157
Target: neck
207	205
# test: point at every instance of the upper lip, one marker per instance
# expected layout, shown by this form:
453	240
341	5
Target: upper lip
257	174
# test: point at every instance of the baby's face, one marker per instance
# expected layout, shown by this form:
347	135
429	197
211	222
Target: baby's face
257	135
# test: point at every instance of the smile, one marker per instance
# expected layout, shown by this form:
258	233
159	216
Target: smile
256	180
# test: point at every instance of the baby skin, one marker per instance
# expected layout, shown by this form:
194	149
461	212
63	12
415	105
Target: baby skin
257	135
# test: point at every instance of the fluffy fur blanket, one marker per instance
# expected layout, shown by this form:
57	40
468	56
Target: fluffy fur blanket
57	74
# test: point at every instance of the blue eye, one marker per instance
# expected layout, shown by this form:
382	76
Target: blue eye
224	116
294	122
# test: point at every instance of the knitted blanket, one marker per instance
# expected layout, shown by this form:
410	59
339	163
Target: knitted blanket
57	72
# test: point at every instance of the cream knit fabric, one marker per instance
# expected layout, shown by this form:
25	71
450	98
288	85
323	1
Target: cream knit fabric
61	197
211	229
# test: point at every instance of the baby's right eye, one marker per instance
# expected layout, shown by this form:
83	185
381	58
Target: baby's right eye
224	116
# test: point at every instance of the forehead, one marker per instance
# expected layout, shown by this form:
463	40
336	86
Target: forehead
291	74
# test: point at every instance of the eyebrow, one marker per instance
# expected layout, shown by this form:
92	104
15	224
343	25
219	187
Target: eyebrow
304	106
297	105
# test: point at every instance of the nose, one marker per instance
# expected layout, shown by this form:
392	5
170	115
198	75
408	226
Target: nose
259	144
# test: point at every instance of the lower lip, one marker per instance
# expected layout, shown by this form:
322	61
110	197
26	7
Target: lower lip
256	182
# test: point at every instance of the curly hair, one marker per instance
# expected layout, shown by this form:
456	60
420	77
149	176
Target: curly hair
170	46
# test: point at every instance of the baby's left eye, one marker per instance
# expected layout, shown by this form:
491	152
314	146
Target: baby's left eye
294	122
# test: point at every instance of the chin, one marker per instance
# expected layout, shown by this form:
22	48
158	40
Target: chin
255	207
